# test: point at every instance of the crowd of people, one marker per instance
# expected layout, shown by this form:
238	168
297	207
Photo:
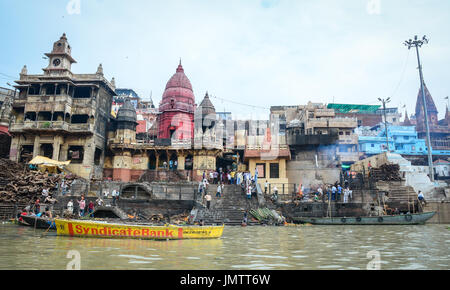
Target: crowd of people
245	179
326	192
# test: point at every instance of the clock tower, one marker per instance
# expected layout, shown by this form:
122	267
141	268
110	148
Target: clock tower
60	59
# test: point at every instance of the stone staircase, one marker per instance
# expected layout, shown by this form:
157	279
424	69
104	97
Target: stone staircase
229	209
400	196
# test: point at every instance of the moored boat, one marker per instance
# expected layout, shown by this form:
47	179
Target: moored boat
99	229
37	222
404	219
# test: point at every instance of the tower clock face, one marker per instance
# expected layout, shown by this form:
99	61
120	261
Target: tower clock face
56	62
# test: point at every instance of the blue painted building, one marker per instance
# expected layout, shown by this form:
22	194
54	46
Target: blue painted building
401	139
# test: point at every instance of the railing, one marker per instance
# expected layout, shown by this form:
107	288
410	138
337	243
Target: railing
49	99
348	139
41	125
82	127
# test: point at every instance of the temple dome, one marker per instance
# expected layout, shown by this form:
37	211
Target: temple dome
178	95
127	113
179	86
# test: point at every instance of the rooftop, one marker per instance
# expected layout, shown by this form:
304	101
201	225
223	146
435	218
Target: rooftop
354	108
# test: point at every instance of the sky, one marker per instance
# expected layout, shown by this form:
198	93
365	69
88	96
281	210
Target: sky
247	54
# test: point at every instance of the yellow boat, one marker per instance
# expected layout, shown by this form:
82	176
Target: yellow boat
99	229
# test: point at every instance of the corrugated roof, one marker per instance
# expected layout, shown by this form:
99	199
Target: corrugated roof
354	108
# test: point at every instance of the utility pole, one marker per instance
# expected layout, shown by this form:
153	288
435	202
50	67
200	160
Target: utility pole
418	43
385	120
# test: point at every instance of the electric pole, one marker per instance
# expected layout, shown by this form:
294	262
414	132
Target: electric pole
385	120
418	43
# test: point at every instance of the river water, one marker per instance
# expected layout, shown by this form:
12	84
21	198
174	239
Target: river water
250	248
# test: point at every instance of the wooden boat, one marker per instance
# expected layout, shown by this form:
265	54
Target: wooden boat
99	229
406	219
37	222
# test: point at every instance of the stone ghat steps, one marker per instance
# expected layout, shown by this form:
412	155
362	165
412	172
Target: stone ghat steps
229	208
228	217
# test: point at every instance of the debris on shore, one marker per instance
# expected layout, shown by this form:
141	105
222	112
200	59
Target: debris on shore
267	216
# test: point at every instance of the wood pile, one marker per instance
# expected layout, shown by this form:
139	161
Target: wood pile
19	184
386	172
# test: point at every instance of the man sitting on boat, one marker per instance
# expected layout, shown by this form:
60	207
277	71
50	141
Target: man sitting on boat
421	198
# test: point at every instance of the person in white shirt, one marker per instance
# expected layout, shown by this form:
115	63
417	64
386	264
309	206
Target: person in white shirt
219	190
249	192
208	200
70	206
346	194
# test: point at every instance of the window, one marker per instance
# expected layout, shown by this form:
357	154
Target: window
261	170
97	156
82	93
372	145
274	170
347	133
75	154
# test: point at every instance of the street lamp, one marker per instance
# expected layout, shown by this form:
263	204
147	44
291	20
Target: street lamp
385	120
418	43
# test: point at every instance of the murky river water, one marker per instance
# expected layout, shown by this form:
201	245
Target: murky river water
250	248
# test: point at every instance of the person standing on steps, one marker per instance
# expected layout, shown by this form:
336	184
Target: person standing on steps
249	192
82	205
219	190
208	200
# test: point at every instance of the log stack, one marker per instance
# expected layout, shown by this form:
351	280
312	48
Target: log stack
386	172
19	184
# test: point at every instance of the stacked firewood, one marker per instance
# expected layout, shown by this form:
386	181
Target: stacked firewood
386	172
19	184
179	219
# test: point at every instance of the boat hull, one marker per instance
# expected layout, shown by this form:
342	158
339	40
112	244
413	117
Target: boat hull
38	223
407	219
78	228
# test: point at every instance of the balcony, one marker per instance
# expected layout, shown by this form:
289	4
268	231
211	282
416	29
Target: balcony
348	139
294	139
82	128
51	126
332	123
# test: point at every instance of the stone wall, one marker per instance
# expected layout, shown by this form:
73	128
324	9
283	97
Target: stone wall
442	215
298	172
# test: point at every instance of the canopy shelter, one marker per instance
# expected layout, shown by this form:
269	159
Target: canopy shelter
46	164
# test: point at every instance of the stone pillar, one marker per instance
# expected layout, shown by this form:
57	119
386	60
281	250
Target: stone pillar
64	151
56	147
181	161
157	161
14	151
36	147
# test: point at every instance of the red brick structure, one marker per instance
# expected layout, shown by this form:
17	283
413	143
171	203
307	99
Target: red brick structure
177	107
439	129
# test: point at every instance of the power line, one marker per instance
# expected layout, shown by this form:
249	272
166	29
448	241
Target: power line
2	75
242	104
403	74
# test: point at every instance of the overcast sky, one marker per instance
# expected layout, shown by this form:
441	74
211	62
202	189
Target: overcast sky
256	52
